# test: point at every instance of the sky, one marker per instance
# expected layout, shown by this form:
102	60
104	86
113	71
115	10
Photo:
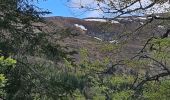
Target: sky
61	8
58	8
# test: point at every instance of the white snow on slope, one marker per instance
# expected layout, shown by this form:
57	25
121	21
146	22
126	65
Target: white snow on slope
80	26
114	41
160	26
101	20
127	19
141	23
116	22
142	18
98	20
98	38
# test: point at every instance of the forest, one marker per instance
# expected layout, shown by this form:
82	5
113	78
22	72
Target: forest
43	60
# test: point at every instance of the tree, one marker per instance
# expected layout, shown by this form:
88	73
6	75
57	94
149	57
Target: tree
6	64
35	75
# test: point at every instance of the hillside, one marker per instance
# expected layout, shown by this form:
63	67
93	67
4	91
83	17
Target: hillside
116	39
92	32
67	58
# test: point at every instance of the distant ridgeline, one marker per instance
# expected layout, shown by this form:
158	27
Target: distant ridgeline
106	29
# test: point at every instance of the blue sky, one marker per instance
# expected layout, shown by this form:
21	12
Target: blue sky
57	7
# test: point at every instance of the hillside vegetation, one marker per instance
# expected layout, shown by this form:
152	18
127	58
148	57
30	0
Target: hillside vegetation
65	58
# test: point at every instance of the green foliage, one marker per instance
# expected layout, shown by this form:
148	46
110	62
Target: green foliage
136	64
3	80
43	70
6	64
157	90
108	47
120	80
7	61
84	53
162	48
122	95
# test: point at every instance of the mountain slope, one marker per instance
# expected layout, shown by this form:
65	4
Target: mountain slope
116	39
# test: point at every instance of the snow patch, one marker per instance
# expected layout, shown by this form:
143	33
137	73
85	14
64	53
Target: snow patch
142	18
126	19
80	26
98	20
160	26
116	22
98	38
102	20
141	23
133	18
114	41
